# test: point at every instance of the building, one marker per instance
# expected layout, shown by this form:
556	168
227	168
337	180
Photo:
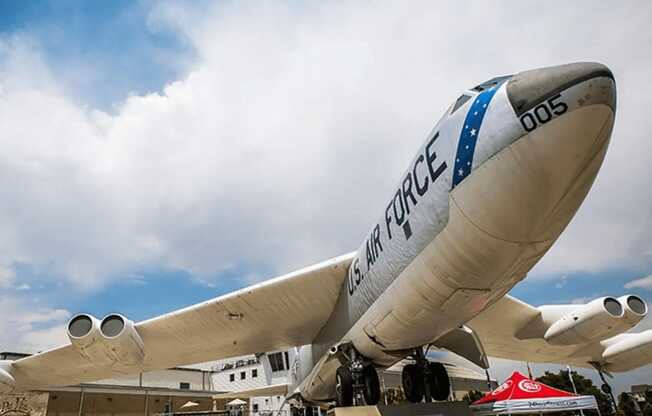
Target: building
150	393
255	372
199	388
261	370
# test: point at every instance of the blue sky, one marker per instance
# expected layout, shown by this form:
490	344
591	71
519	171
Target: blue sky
151	149
119	52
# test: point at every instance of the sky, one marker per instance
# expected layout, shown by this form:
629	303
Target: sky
157	154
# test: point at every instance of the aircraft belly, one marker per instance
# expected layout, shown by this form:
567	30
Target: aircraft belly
502	220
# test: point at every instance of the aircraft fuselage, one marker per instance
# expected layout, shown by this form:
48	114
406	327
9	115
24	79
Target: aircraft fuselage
492	187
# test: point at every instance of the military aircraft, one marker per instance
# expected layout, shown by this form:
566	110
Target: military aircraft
493	186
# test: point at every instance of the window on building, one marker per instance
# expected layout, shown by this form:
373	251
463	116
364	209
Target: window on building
184	386
243	375
231	377
266	402
276	361
287	361
254	408
254	373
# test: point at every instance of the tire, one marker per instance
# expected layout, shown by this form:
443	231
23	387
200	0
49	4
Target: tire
309	411
440	384
344	387
371	386
412	379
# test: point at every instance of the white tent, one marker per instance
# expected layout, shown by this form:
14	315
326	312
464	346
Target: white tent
519	394
537	405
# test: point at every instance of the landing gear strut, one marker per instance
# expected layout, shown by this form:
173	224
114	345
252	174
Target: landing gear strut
425	379
356	382
606	388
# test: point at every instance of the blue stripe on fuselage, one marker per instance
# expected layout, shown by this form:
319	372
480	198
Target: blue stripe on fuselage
469	134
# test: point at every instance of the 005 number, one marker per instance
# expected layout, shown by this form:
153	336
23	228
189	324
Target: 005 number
543	113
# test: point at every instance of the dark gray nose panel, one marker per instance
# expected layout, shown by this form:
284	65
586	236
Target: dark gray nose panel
527	89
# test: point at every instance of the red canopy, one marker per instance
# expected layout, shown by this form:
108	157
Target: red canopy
518	386
519	394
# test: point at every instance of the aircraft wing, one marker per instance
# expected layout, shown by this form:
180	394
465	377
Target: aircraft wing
498	325
279	313
511	329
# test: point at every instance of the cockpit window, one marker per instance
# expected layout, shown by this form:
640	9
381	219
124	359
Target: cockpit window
491	83
460	102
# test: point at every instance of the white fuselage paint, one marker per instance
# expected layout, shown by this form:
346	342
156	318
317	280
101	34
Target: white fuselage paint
469	245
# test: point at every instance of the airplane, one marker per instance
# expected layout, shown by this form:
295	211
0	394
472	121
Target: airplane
486	195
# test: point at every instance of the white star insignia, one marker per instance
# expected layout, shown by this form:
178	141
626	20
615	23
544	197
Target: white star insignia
484	106
468	163
472	132
475	114
466	127
466	147
460	172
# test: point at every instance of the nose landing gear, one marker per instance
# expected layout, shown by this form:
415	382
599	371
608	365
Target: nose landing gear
425	379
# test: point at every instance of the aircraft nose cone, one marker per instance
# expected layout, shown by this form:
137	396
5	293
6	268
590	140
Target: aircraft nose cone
527	89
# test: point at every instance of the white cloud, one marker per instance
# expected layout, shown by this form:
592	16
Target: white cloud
643	283
280	146
30	327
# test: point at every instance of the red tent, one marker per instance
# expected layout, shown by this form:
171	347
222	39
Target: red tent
519	394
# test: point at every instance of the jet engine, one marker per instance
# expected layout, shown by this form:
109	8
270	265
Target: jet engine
629	351
635	309
113	340
84	334
123	342
597	319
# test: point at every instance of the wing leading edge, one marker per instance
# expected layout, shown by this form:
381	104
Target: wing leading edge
279	313
506	330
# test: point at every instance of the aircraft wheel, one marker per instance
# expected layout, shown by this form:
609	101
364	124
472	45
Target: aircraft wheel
344	386
309	411
412	379
440	384
371	386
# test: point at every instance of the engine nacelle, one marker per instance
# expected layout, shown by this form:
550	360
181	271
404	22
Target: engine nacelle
629	351
635	309
124	345
114	340
84	334
7	382
597	319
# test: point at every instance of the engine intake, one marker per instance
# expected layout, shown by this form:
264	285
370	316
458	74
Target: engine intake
113	340
597	319
635	308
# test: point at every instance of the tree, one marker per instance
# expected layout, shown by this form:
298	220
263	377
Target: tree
627	404
583	385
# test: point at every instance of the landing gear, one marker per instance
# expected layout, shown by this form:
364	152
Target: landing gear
356	382
344	386
413	385
425	379
371	390
606	388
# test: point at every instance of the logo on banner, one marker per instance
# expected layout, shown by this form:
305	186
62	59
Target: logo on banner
502	387
529	386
